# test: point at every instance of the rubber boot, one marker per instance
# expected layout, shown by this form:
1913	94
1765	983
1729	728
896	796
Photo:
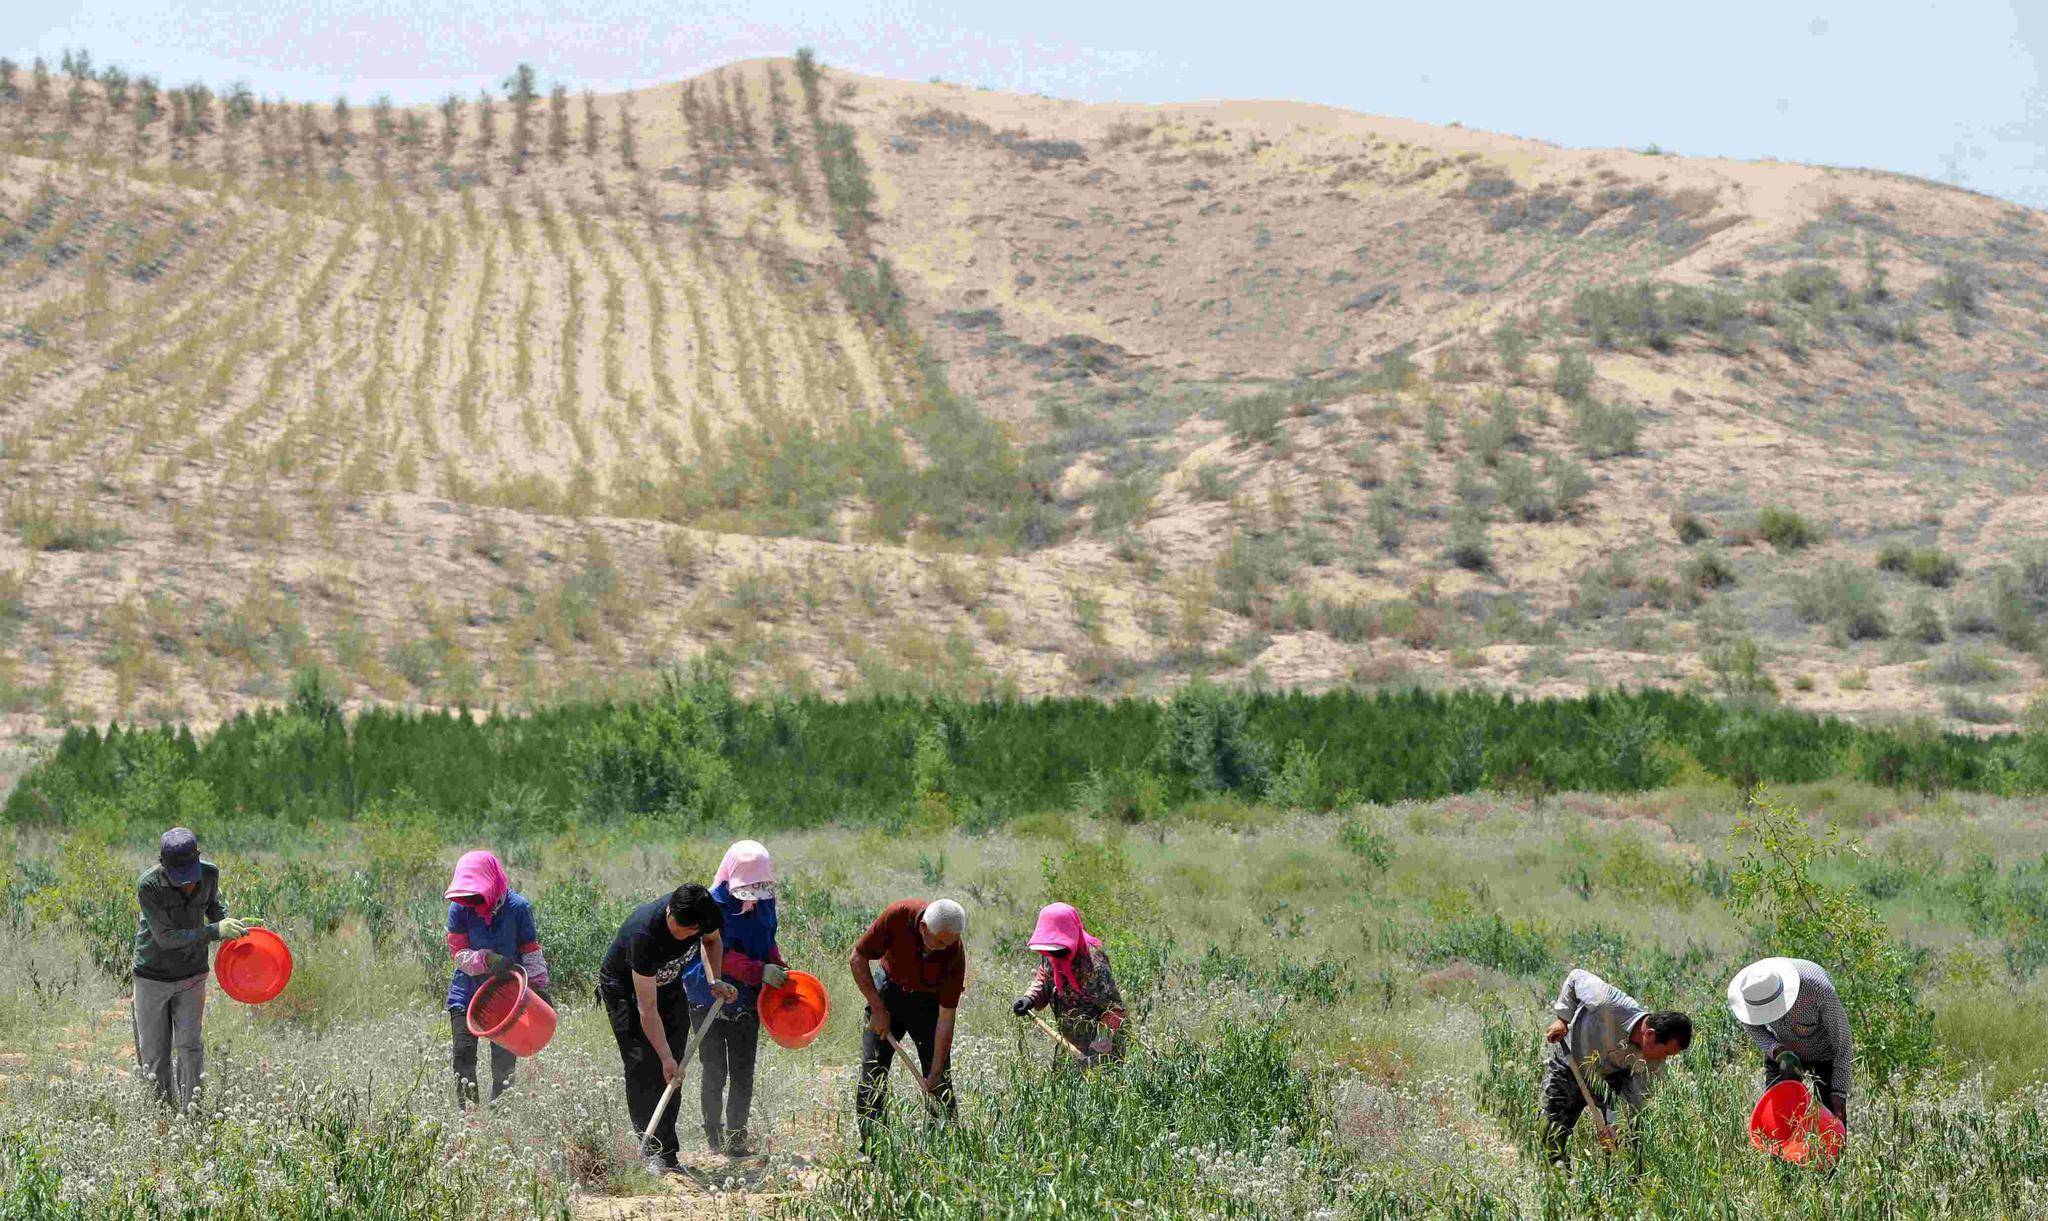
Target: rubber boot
714	1138
465	1094
737	1144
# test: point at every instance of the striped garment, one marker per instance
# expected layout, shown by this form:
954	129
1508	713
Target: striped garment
1816	1030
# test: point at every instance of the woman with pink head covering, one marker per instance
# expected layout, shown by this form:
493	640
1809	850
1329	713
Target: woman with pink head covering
1075	979
744	889
491	930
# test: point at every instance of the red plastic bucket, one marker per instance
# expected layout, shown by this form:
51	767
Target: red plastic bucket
511	1014
254	967
1788	1123
795	1012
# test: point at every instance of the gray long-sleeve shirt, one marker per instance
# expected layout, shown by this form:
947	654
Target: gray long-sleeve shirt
1599	1018
1816	1029
171	935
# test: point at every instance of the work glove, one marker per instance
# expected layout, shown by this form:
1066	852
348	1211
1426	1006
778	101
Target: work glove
1789	1063
1021	1006
724	991
234	930
497	965
774	976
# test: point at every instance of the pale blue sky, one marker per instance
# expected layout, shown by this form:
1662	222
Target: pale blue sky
1946	89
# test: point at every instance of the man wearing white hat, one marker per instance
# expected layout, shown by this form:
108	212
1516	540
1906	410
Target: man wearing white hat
1789	1007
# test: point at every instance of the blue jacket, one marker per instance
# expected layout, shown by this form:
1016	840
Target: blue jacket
749	940
509	930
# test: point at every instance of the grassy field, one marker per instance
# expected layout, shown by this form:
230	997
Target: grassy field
1338	1012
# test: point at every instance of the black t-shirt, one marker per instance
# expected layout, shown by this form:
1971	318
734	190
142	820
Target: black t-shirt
645	946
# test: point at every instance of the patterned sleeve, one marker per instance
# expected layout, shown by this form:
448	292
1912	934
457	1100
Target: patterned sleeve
1107	995
468	961
531	960
1039	994
1834	1025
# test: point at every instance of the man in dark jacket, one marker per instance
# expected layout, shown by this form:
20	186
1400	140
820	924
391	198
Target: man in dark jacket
181	912
640	986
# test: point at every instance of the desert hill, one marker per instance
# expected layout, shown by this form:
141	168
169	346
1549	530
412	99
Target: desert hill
869	385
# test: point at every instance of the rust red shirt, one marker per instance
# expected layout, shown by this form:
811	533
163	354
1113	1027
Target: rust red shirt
893	939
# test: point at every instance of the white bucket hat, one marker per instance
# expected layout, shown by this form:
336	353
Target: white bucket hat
1763	991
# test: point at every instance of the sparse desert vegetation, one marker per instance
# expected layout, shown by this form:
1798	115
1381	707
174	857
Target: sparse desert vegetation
303	349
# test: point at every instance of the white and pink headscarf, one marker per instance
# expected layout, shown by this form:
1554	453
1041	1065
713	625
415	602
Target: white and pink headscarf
746	865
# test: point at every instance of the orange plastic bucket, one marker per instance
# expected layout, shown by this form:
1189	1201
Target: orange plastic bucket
1786	1122
254	967
795	1012
511	1014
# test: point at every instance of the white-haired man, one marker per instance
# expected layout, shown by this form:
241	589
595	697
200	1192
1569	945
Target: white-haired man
912	967
1791	1011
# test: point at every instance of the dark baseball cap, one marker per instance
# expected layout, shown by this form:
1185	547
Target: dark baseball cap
178	851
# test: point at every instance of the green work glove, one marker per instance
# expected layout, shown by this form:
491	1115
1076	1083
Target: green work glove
234	930
497	964
1789	1063
774	976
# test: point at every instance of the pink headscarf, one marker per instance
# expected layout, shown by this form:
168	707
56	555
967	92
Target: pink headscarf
479	873
1059	928
746	863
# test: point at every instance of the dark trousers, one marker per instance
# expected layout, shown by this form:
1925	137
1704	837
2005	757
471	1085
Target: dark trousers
644	1084
1563	1104
1825	1070
503	1062
910	1013
728	1052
